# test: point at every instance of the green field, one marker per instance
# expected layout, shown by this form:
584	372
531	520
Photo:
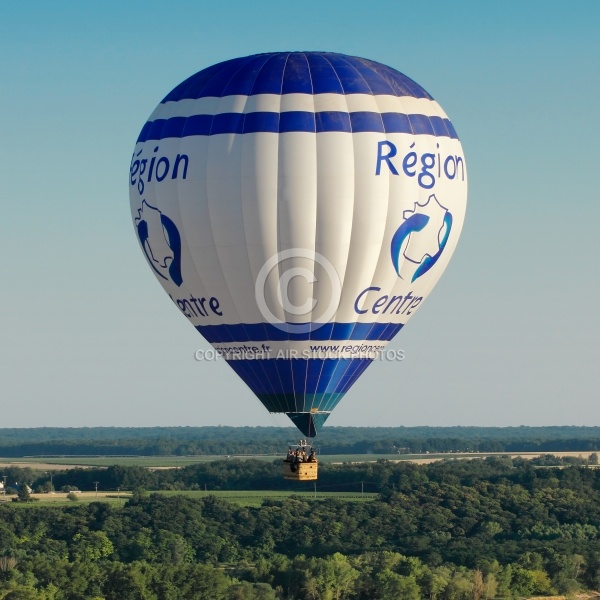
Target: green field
60	499
177	461
255	498
182	461
165	462
242	498
107	461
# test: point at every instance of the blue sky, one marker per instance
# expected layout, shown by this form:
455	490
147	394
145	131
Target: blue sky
511	334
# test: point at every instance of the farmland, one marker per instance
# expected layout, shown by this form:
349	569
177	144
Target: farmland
171	462
240	498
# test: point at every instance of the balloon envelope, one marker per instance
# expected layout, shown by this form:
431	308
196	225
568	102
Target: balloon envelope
298	208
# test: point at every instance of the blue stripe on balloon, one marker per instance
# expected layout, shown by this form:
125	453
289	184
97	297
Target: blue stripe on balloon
333	121
421	125
155	131
451	130
172	128
298	378
364	121
396	123
271	122
227	123
439	127
261	122
265	332
197	125
296	72
296	121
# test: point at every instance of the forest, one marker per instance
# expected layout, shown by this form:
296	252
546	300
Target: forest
452	530
183	441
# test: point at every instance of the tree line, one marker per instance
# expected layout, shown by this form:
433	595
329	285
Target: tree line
453	530
183	441
250	474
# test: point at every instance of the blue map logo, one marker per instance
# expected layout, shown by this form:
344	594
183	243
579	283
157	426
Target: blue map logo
161	242
419	242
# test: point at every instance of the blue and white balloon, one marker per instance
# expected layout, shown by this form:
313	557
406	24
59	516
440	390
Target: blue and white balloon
298	208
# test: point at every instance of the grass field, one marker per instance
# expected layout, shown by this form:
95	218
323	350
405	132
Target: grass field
161	462
166	462
255	498
60	499
170	462
242	498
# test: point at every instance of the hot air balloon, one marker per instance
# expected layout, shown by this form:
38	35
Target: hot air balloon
298	208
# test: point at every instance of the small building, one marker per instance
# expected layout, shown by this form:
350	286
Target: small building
18	486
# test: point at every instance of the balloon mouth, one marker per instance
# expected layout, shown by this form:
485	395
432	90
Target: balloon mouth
308	422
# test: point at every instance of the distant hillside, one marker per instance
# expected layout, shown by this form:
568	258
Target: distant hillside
169	441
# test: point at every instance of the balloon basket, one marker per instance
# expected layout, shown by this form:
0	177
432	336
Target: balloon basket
305	471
